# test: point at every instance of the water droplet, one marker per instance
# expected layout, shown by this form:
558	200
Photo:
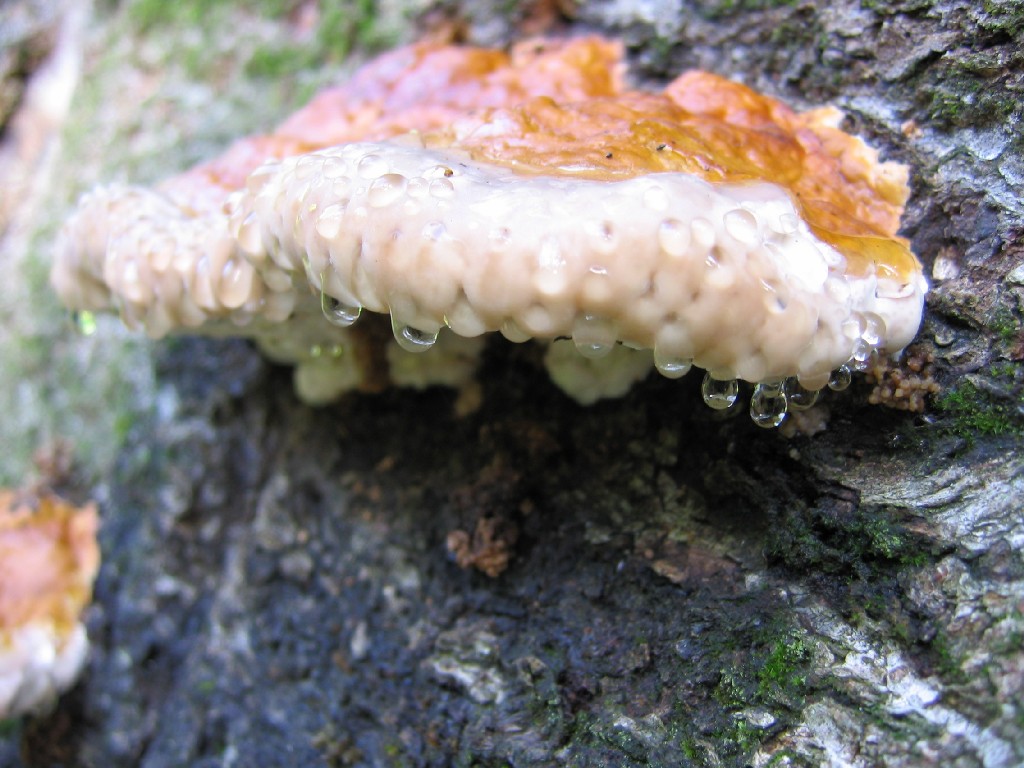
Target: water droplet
719	394
307	167
334	168
249	238
372	166
838	289
799	397
671	366
337	312
417	187
840	379
673	237
853	326
385	190
742	225
656	199
412	339
85	322
874	329
768	404
864	356
316	351
236	282
442	189
594	336
328	223
511	331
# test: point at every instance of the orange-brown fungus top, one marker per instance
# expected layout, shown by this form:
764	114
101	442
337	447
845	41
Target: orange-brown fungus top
48	560
560	107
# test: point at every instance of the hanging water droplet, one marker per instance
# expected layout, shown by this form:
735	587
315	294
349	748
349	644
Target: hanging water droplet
768	404
594	336
840	379
338	312
85	322
864	356
874	329
671	366
799	397
412	339
511	331
719	394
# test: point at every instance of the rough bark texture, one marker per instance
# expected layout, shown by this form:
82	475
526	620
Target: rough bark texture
682	589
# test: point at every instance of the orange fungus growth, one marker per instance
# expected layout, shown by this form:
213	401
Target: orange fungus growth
48	560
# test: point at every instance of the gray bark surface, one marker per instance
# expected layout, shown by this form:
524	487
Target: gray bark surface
683	588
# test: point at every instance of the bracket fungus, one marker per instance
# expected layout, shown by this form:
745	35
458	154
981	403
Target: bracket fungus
48	560
463	191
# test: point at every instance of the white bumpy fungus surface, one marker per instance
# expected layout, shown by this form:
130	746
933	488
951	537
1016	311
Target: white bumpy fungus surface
37	663
726	277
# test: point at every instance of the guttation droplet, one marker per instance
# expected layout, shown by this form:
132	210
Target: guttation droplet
670	366
593	336
799	397
719	394
768	404
840	379
412	339
337	312
85	322
318	351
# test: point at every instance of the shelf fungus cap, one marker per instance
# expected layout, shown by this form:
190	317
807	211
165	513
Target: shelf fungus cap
48	561
531	194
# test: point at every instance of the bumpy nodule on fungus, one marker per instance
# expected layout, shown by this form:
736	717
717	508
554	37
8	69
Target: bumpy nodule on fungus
48	560
532	194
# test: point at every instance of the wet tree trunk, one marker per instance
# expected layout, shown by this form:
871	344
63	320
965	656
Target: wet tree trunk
672	587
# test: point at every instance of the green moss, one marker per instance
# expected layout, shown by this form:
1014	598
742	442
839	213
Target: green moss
784	670
341	28
718	9
970	412
1004	17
